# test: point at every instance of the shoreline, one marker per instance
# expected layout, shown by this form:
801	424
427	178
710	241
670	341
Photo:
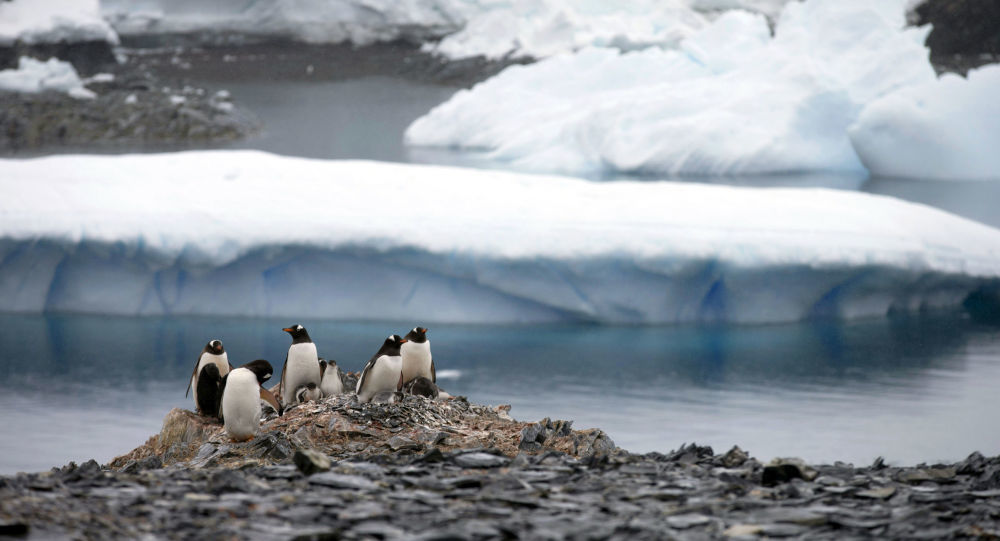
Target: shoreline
454	469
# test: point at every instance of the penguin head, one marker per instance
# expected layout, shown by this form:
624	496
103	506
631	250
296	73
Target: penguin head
261	368
298	333
418	335
391	345
215	347
322	368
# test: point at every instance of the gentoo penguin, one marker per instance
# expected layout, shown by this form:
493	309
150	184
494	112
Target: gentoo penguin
209	390
307	393
421	386
383	371
301	364
241	396
330	382
213	353
416	353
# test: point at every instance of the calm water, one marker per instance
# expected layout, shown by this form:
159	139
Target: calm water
84	387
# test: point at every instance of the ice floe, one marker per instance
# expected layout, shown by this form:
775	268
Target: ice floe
33	76
250	233
53	21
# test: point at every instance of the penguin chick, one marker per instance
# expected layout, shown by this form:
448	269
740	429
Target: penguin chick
241	396
383	372
416	354
307	393
387	397
208	391
421	386
301	363
329	374
212	353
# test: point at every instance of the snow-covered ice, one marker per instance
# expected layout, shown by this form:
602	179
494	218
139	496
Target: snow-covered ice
541	28
53	21
33	76
250	233
319	21
465	28
944	129
732	100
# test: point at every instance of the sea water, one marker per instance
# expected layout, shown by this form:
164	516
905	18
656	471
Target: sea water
911	390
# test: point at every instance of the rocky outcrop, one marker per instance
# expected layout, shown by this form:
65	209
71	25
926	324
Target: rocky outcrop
966	33
341	427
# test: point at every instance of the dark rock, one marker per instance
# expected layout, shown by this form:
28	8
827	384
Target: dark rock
228	481
273	445
310	461
338	480
734	457
14	529
151	463
782	473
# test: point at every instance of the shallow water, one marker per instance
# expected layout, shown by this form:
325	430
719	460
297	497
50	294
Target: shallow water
914	390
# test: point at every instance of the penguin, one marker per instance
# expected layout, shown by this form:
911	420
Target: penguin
384	371
213	353
208	391
307	393
416	353
301	364
421	386
242	392
330	382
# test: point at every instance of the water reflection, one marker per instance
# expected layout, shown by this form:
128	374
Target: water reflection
909	389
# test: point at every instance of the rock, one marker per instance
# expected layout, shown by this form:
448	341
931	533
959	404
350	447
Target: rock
399	443
743	530
228	481
182	426
338	480
734	457
13	528
310	461
479	460
883	493
926	474
782	470
684	522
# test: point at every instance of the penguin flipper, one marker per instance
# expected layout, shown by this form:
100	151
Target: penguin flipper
194	374
364	375
399	386
268	397
222	391
281	387
434	376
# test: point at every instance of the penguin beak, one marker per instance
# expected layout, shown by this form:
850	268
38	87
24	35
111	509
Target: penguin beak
288	329
403	341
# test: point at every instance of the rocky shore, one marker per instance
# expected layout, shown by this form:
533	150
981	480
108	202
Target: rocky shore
422	469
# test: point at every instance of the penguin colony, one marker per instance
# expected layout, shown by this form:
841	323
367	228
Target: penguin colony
234	395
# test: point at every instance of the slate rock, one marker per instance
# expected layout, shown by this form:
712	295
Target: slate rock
339	480
310	461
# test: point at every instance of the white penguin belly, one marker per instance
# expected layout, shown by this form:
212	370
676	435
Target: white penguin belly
416	360
241	404
302	368
220	361
332	385
382	376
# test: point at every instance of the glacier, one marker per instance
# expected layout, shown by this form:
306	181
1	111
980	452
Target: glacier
53	21
732	100
254	234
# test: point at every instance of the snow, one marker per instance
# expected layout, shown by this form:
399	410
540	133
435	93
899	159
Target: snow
33	76
732	100
317	21
491	28
250	233
53	21
541	28
945	129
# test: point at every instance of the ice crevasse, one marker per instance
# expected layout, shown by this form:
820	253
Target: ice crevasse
823	93
249	233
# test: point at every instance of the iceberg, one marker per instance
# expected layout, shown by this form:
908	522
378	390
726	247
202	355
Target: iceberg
948	129
731	100
361	22
53	21
255	234
33	76
538	29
